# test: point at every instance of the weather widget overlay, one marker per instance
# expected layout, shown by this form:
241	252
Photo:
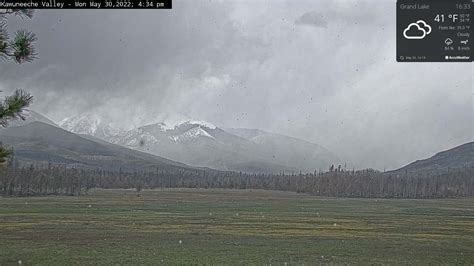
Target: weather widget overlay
434	31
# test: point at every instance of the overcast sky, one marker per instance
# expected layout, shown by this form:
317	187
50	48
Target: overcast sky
323	71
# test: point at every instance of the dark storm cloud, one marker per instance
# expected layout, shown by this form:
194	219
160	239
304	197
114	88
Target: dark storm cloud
248	64
133	55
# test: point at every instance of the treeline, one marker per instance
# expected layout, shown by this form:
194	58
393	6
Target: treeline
26	181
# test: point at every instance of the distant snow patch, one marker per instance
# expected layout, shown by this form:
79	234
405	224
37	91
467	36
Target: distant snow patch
193	133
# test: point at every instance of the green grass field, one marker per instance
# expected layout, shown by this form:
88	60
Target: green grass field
233	227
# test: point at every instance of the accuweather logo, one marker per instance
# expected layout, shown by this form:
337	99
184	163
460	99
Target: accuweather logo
417	31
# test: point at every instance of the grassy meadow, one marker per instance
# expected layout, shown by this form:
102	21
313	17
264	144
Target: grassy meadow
198	226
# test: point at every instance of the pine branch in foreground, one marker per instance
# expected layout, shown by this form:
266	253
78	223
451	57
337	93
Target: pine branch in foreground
13	106
4	153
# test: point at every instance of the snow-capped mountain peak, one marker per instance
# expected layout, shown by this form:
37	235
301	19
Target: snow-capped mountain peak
202	124
90	124
171	125
81	124
190	134
202	144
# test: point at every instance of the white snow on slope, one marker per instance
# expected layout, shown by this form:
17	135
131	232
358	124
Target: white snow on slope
90	124
170	125
81	124
193	133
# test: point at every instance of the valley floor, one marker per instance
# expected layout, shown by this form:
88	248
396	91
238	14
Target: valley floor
233	226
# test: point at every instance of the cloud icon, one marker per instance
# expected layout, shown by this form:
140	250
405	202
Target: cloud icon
425	26
417	31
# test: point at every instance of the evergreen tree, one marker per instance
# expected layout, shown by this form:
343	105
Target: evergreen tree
20	49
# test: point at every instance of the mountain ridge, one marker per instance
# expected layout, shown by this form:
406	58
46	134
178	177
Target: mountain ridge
194	146
31	116
202	144
460	156
40	143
